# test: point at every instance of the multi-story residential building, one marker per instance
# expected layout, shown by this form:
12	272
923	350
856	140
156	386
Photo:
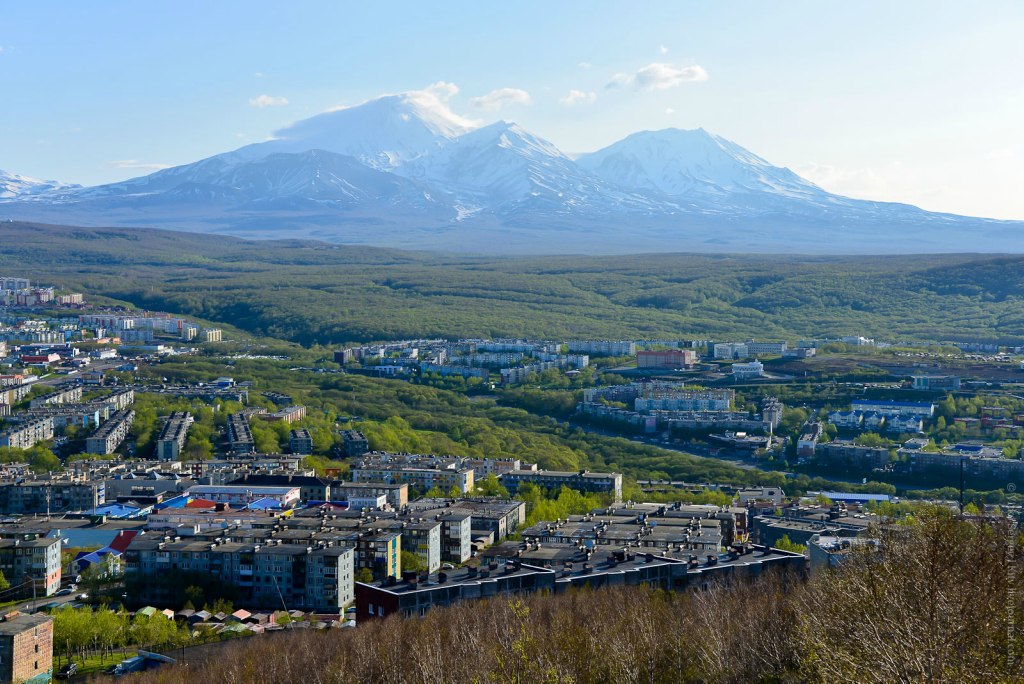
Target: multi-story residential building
27	434
110	435
171	440
212	335
380	553
667	397
25	557
85	416
667	359
847	453
119	399
26	648
64	395
300	442
456	536
894	408
808	441
422	537
421	478
317	577
240	440
496	516
583	480
354	443
289	414
603	347
56	496
397	494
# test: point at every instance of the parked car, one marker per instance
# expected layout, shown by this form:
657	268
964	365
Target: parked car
69	670
83	596
64	592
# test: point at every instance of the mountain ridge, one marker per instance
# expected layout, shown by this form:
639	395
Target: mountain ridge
404	169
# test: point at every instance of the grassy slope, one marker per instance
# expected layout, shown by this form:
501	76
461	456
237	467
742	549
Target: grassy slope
315	293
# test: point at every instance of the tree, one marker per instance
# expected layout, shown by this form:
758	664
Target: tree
364	575
4	584
412	562
785	544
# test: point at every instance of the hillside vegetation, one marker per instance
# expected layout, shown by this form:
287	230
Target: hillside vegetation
310	292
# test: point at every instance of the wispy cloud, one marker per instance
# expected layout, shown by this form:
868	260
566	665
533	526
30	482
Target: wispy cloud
136	165
442	90
659	76
663	50
263	101
257	74
576	97
585	65
501	98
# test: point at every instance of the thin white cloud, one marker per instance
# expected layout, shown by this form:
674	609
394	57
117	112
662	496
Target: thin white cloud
263	101
442	90
669	110
501	98
663	50
258	74
659	76
136	165
576	97
585	65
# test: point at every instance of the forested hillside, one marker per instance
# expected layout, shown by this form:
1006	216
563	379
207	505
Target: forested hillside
312	292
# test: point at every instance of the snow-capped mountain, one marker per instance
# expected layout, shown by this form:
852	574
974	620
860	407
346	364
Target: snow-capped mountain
692	164
403	170
12	185
503	169
381	133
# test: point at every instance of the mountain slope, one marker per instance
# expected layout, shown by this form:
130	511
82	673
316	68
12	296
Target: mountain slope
405	170
13	186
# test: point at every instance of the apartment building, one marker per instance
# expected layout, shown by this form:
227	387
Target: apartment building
300	442
27	434
57	496
397	494
354	443
456	536
423	479
240	439
667	359
583	481
317	577
666	397
26	647
25	557
111	434
289	414
66	395
603	347
172	437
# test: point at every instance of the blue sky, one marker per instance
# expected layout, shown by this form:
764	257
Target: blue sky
910	101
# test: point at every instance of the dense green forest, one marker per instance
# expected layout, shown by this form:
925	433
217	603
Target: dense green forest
940	605
314	293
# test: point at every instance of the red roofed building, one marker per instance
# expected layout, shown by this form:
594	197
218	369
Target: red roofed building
203	504
122	540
